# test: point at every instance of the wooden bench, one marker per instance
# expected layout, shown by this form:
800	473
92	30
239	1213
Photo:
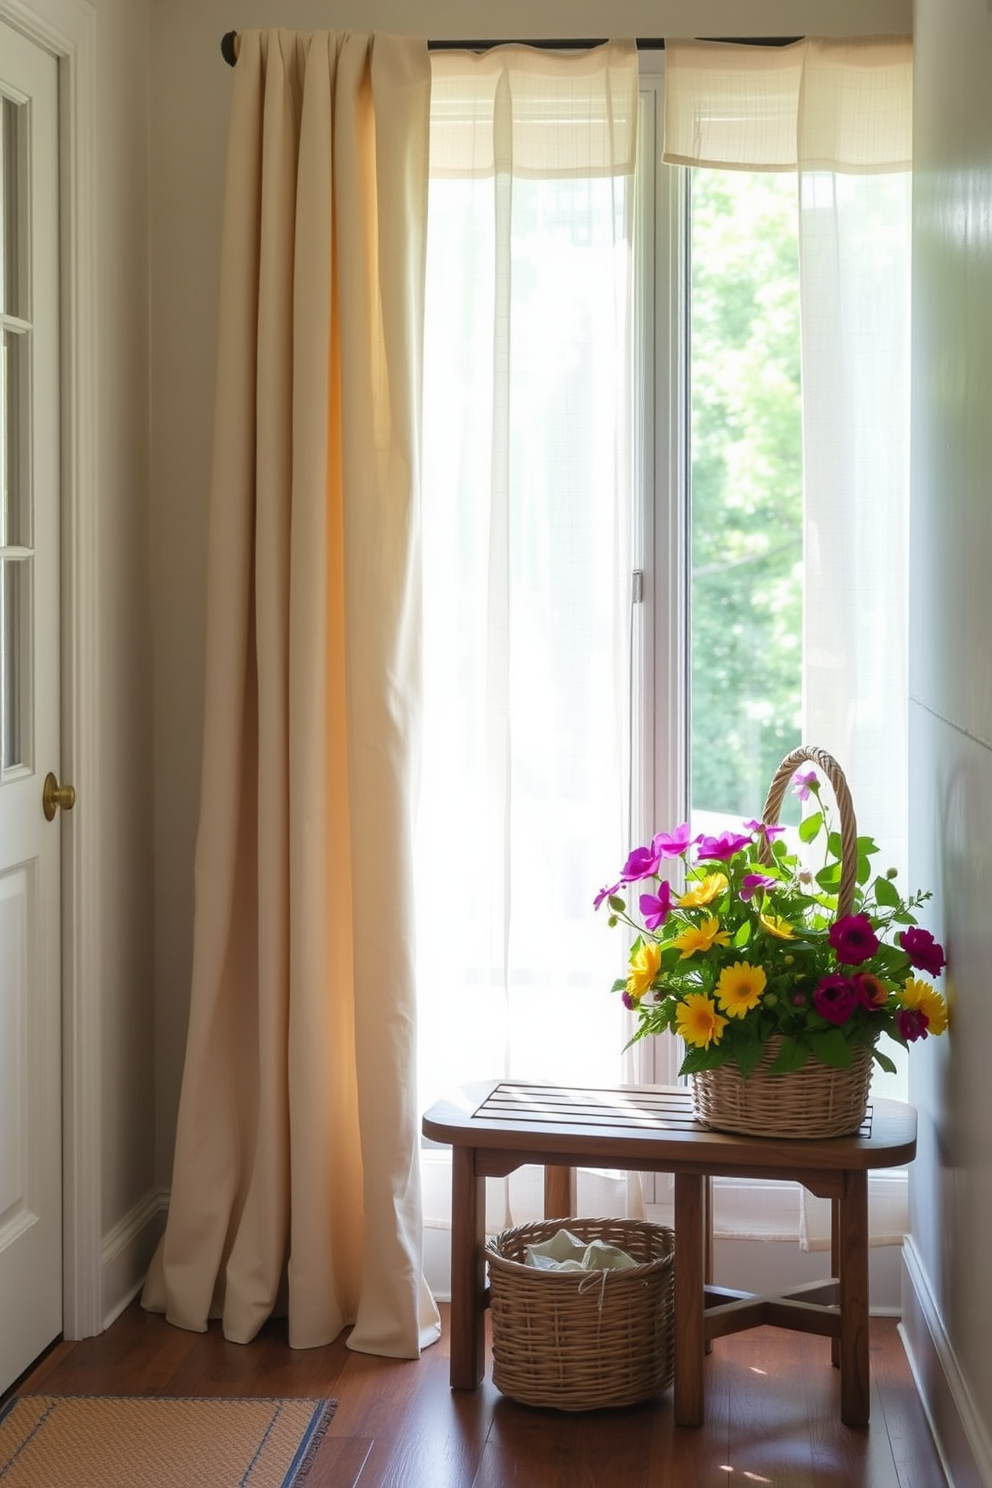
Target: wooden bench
497	1127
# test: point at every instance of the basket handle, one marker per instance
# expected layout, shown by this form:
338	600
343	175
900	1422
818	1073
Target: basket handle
848	823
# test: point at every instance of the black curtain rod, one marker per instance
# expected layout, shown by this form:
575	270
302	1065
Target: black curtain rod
230	41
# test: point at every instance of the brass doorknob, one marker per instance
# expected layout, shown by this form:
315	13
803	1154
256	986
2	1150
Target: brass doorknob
54	795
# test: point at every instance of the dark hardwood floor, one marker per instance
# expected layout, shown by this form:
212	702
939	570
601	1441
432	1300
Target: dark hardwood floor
772	1414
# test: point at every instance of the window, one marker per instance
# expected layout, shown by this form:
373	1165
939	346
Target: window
602	654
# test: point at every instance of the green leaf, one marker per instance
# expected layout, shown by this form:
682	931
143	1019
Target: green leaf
809	827
702	1059
829	877
791	1056
742	934
884	1061
748	1056
831	1048
886	893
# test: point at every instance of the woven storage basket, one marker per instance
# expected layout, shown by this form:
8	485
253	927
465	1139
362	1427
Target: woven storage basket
582	1340
815	1101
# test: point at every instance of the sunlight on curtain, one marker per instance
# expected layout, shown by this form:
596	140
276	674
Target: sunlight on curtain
527	435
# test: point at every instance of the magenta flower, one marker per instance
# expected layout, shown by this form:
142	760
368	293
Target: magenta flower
923	951
722	847
912	1024
853	939
655	907
752	882
765	829
642	863
671	844
835	999
803	784
604	894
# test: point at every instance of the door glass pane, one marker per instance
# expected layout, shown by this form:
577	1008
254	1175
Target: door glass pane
15	524
12	145
15	579
14	431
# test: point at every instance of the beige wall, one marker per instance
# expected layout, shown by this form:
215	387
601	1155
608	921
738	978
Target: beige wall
948	1300
126	764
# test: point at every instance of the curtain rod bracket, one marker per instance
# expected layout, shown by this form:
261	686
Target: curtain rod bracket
229	47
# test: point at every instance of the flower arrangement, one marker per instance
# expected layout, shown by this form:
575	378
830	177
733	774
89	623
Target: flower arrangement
755	948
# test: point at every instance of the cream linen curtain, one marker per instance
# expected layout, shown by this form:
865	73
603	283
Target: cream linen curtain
296	1179
839	113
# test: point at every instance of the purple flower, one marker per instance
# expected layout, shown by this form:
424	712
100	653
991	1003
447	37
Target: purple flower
604	894
752	882
803	784
853	939
671	844
912	1024
642	863
655	907
721	847
835	999
628	1001
768	830
923	951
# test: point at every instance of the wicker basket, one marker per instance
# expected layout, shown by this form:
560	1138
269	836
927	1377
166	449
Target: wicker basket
817	1100
583	1340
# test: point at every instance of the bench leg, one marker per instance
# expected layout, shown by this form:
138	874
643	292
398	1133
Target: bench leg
559	1193
854	1357
689	1256
468	1271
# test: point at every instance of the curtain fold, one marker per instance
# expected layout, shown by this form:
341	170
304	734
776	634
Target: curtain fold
295	1179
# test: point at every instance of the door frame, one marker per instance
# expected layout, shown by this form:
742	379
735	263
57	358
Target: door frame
67	29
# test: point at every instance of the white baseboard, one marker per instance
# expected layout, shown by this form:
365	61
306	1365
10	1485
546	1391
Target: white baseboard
962	1442
127	1250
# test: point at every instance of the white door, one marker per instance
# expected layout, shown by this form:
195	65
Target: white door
30	1000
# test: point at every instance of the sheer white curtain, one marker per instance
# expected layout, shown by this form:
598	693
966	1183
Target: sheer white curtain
527	438
840	114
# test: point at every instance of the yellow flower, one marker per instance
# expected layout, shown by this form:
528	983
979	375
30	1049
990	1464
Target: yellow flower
916	994
701	937
698	1021
704	891
644	965
740	987
781	929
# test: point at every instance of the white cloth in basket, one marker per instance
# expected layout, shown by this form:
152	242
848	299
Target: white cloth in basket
565	1252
